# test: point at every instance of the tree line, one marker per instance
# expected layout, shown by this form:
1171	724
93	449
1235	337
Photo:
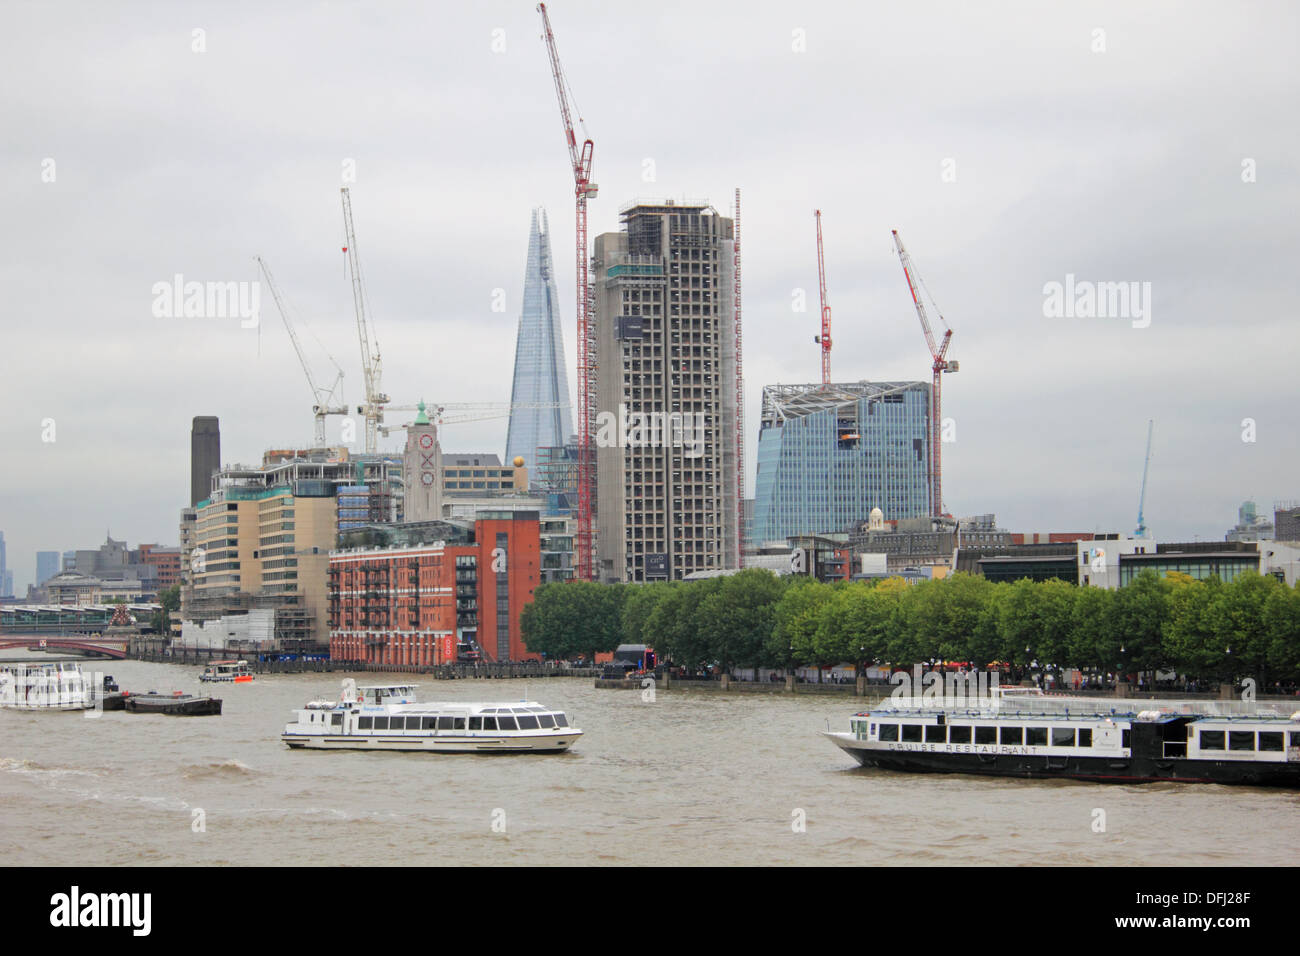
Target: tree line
1206	630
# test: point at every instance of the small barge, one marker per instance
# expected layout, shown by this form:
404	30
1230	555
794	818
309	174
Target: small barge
175	704
388	717
1030	734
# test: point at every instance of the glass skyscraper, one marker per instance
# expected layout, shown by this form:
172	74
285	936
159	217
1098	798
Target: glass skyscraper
541	377
828	454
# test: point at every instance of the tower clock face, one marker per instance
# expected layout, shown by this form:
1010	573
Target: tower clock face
426	440
426	478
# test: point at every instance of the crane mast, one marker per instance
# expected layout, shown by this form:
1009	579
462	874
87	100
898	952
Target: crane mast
939	365
825	338
1141	531
371	363
320	397
580	162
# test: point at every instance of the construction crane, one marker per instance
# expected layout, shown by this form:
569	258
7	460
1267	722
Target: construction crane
321	397
1141	531
371	364
825	338
584	189
740	393
938	352
469	411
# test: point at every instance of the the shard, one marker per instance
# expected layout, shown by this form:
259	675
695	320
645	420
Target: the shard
540	416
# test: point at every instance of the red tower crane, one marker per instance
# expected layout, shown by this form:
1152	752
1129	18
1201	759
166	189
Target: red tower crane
825	337
940	365
584	188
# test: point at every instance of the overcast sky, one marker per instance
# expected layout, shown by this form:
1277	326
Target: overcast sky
1011	144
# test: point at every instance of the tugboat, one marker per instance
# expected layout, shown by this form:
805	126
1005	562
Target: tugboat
225	672
388	717
1025	733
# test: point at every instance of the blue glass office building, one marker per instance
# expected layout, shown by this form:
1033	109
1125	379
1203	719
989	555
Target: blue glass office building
541	377
828	454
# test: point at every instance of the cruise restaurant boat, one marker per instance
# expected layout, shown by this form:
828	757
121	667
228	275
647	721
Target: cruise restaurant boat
1019	733
388	717
227	672
46	685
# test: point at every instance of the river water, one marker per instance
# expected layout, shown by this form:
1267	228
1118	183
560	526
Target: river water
690	778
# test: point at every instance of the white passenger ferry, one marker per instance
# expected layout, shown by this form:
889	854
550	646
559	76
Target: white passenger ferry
388	717
46	685
1029	734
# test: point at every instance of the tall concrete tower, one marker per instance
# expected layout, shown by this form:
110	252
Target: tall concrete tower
422	471
665	394
205	456
541	376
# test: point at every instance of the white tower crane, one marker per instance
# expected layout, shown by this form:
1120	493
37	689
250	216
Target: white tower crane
371	364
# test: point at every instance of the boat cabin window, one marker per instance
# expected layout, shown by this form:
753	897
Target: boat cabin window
444	723
889	731
365	723
1011	735
936	733
336	720
1270	741
546	720
1211	739
489	723
959	735
561	720
1295	739
1036	736
1085	736
506	723
476	723
986	735
1123	737
529	722
1241	740
381	723
912	733
1062	736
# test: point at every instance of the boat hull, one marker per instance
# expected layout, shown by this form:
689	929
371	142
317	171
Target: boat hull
191	707
1097	769
538	743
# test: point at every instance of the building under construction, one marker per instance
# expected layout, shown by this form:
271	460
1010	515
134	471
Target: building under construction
829	454
667	501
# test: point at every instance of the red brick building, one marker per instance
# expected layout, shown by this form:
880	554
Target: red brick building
428	602
166	559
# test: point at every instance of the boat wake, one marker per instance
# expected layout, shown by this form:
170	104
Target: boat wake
225	770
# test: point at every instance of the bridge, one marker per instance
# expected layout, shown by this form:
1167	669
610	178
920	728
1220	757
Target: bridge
76	644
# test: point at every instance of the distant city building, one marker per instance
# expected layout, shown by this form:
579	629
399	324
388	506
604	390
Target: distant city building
481	474
665	429
205	455
1286	522
6	582
7	589
167	561
69	560
47	565
418	595
1250	526
540	416
828	454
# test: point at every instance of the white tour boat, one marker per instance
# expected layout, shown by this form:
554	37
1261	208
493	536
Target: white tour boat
46	685
388	717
